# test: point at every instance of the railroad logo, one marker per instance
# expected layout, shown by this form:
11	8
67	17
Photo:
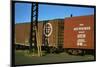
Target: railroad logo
48	29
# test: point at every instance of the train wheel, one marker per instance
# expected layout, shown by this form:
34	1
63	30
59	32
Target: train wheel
75	52
52	50
83	53
69	51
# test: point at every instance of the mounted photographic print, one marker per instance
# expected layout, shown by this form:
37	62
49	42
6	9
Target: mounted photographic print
50	33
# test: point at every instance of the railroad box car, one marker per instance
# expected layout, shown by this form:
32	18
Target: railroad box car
79	33
22	31
55	38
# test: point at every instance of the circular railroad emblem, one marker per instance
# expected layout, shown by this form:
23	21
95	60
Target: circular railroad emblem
47	29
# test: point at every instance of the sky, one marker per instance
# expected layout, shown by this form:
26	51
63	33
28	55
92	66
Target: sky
47	12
